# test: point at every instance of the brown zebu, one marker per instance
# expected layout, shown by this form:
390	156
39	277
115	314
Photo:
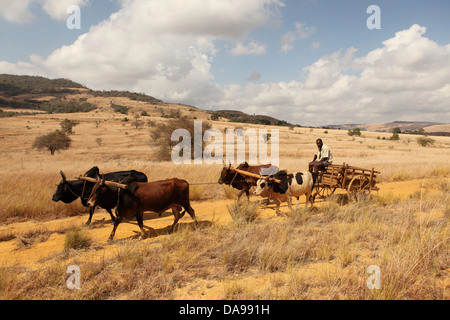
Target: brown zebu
138	197
229	176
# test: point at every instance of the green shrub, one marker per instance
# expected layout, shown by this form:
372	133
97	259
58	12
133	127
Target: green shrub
354	132
77	239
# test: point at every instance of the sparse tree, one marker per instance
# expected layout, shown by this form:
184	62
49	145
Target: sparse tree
67	126
396	130
395	136
53	141
354	132
137	124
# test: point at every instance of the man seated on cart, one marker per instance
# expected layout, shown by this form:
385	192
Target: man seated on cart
322	159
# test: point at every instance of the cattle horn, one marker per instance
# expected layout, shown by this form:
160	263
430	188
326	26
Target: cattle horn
63	176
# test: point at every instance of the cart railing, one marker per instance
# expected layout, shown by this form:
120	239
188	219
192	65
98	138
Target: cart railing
353	179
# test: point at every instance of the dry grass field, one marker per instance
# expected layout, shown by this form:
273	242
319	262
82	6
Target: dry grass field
319	253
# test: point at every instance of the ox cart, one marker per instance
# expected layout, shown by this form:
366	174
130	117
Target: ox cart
353	179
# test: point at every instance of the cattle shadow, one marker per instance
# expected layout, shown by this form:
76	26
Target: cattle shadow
154	233
99	223
284	208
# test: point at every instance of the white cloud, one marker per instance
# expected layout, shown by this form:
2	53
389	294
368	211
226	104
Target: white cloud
19	11
15	11
316	45
162	47
408	78
301	32
253	48
57	9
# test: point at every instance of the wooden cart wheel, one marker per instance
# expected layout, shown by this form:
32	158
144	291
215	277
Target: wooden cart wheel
359	185
325	191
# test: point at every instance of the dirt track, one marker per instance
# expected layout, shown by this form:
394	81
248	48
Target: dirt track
213	211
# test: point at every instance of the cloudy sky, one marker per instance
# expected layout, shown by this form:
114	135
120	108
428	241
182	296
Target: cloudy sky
309	62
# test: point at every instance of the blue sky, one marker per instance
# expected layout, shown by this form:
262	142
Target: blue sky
292	59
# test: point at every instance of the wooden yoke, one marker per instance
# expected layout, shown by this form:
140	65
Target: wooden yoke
254	175
108	183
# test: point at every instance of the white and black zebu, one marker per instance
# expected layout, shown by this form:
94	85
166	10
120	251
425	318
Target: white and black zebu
68	191
283	186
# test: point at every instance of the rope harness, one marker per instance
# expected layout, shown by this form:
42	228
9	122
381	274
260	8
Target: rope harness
82	191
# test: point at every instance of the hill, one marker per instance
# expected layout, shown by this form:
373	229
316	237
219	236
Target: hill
29	94
239	116
13	85
431	128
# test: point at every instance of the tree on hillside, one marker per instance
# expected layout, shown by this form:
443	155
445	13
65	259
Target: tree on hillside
395	134
162	136
53	141
67	125
396	130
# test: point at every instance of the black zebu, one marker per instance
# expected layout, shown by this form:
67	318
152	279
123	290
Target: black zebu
229	176
69	191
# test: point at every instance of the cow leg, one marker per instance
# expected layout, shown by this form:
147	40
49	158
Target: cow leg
277	210
116	224
309	198
289	201
111	215
176	217
91	212
140	221
191	212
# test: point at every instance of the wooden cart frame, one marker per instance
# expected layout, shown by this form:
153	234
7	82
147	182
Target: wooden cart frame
353	179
